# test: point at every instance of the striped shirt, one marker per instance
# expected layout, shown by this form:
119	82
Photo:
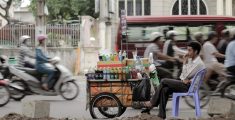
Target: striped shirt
24	53
191	68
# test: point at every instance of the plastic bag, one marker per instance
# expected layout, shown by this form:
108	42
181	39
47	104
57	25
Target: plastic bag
141	92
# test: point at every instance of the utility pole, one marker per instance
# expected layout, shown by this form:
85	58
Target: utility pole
40	19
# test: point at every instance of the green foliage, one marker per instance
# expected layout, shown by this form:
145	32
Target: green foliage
67	9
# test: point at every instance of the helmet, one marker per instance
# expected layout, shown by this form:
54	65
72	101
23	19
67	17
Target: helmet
41	37
232	33
198	35
3	58
23	38
155	35
211	35
171	33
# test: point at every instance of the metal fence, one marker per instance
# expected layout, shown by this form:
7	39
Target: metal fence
66	36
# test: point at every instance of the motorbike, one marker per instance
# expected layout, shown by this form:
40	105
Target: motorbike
31	81
215	87
4	92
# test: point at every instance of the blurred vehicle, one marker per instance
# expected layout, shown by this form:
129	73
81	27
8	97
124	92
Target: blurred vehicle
30	80
139	29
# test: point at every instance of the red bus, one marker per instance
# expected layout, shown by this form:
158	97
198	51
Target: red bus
139	29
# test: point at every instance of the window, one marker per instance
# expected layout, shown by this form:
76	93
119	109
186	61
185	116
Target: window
189	7
135	7
140	33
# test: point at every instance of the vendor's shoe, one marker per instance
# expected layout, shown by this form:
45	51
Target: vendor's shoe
146	104
147	110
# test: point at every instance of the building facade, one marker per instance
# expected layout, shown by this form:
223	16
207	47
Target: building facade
177	7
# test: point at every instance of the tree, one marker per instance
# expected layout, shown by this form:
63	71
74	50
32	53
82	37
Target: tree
66	9
5	6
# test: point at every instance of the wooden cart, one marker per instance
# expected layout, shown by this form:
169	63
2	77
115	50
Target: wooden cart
109	98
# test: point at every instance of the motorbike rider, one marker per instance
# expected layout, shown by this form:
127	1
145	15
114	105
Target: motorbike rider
170	49
223	43
198	36
230	54
41	66
157	54
210	55
25	52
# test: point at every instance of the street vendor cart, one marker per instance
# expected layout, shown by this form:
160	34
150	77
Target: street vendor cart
109	98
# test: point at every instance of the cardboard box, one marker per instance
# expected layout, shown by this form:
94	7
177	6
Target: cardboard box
131	62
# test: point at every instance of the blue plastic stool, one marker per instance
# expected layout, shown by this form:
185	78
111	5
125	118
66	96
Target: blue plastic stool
193	91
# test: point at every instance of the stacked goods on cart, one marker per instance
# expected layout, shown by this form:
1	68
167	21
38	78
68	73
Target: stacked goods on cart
113	67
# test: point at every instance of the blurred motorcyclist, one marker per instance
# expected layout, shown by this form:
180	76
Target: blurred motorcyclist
198	36
223	43
41	66
210	55
230	54
25	52
157	54
170	49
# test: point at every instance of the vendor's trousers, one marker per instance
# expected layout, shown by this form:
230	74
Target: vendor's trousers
231	69
166	88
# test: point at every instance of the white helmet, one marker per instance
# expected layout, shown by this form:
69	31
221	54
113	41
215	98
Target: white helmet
155	35
198	35
232	32
171	33
23	38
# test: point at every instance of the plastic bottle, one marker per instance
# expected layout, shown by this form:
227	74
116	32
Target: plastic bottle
107	73
115	73
111	73
151	58
124	55
123	73
103	58
138	64
112	57
127	73
107	58
115	57
104	74
120	73
97	74
120	55
101	73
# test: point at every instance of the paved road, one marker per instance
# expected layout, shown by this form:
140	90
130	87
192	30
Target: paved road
61	108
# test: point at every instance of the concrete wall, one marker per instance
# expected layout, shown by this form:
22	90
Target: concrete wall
164	7
24	16
233	7
211	7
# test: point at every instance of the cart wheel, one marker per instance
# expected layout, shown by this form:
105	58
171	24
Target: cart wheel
122	111
107	104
